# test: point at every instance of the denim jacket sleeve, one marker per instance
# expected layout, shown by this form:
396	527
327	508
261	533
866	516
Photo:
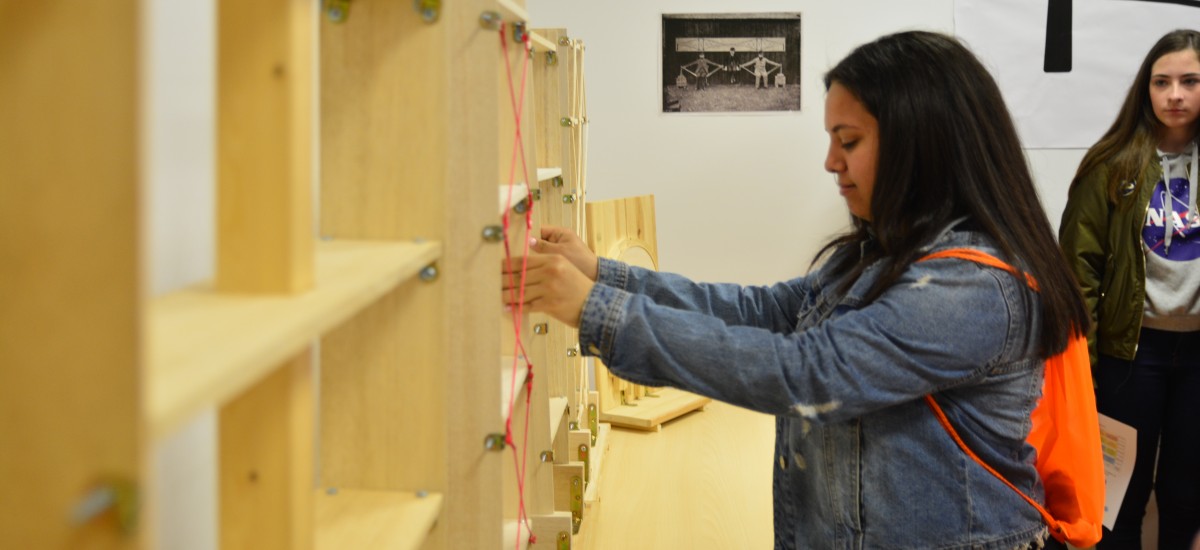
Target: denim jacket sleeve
943	323
772	307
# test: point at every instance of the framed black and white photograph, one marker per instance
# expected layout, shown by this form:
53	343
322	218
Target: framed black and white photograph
747	62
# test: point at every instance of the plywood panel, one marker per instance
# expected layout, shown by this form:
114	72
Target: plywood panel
69	277
264	145
266	462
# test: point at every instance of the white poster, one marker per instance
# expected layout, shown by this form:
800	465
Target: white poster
1099	43
1119	442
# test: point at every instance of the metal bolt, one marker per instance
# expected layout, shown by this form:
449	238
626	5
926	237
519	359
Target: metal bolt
564	41
518	30
429	9
490	20
551	58
494	442
493	233
573	351
547	456
541	328
568	199
566	122
521	207
429	273
558	181
338	10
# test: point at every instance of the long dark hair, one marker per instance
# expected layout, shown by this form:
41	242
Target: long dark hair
1128	146
948	149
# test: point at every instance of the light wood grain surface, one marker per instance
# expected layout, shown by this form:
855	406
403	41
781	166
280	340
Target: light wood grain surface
703	482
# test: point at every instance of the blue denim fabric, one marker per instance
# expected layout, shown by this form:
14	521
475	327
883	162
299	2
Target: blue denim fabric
860	461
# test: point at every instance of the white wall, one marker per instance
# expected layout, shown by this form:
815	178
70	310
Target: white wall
739	197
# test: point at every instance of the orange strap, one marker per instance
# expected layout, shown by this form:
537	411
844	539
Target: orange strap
982	258
992	261
945	422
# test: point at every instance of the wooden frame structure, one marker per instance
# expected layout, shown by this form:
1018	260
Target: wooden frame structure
624	229
391	291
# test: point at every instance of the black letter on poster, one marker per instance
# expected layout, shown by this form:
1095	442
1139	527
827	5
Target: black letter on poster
1058	37
1058	32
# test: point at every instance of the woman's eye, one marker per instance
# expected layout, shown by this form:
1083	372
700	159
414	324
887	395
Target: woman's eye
849	144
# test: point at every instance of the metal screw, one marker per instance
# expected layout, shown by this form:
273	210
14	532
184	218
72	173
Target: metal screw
569	199
494	442
493	233
429	273
551	58
558	181
573	351
490	20
518	29
429	9
566	122
541	328
564	41
521	207
338	10
547	456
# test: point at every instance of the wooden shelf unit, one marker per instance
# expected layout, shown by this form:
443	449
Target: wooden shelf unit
94	374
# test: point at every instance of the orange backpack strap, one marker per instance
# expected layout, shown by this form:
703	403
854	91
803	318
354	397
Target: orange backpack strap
981	258
984	258
945	422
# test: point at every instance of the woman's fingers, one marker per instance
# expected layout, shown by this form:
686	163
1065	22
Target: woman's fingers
551	284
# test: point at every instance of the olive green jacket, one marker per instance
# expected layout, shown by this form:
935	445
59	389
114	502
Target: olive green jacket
1102	242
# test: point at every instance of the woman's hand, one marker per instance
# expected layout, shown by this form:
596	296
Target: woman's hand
553	285
564	242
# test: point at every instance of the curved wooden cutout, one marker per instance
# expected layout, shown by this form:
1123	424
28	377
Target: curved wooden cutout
624	229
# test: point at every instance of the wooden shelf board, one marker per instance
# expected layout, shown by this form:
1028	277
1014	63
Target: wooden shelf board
596	461
519	192
541	44
650	412
509	539
558	409
374	519
544	174
506	383
205	347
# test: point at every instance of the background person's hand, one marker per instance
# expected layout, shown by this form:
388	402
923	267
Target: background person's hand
553	285
564	242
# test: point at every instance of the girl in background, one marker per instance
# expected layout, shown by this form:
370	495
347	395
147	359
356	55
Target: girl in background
1132	232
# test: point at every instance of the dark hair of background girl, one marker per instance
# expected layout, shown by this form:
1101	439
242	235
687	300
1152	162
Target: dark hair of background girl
1128	146
948	149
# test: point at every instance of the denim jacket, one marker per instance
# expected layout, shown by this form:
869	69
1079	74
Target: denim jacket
860	461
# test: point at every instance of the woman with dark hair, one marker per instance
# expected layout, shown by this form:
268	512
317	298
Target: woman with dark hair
1132	232
927	158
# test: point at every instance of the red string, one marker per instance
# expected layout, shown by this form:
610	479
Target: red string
517	292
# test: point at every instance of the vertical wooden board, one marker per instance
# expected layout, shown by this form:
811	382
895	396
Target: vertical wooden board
266	462
264	145
69	278
550	84
472	517
382	394
384	122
